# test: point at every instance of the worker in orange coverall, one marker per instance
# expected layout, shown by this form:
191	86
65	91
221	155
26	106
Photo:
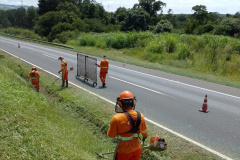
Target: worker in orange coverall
64	71
103	70
34	76
122	127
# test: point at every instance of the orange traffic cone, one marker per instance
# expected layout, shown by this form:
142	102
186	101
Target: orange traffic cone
18	45
204	106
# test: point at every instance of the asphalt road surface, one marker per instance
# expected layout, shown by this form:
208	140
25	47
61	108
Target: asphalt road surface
169	100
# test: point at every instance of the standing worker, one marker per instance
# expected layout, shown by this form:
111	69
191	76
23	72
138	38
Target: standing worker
103	70
126	127
64	71
34	76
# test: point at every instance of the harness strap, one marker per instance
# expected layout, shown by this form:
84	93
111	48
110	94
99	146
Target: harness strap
33	73
135	127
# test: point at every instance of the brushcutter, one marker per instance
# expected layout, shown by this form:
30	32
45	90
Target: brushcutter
70	69
102	155
156	144
21	74
55	80
20	67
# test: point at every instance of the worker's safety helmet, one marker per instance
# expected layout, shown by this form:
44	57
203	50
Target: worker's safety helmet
60	58
34	68
125	98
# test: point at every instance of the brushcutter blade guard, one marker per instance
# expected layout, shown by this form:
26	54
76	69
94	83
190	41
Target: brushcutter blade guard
157	146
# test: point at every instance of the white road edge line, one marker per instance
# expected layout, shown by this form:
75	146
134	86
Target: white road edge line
155	123
178	82
139	86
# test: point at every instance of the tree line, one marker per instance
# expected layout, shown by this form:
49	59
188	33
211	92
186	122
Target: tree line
58	18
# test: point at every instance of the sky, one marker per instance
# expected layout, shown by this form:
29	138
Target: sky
177	6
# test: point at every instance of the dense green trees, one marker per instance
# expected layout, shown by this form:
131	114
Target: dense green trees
163	26
150	6
229	27
4	22
31	17
55	18
136	19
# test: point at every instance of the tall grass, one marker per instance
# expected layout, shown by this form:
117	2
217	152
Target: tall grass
214	52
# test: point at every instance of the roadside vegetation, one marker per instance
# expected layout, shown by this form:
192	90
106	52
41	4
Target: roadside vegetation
63	123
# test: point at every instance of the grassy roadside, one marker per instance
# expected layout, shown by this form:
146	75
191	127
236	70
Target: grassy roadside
63	123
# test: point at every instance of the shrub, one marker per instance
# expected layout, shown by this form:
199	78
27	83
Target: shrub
94	25
87	40
163	26
112	28
142	42
79	24
170	44
66	36
156	47
184	52
59	28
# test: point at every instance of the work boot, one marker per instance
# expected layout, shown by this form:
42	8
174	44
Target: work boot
103	85
37	90
63	83
67	83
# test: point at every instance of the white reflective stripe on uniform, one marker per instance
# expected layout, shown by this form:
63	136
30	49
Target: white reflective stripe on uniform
127	138
34	77
104	67
144	131
110	138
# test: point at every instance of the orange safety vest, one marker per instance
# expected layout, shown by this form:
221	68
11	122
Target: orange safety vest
34	75
103	65
120	124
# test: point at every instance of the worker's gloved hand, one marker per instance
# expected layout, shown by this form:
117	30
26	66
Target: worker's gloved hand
59	72
96	63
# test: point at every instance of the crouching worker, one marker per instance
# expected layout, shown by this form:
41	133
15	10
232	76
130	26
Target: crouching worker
127	127
34	76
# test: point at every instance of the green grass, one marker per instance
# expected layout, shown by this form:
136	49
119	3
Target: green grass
63	123
42	126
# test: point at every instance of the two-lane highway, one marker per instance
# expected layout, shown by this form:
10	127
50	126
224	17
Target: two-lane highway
166	99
